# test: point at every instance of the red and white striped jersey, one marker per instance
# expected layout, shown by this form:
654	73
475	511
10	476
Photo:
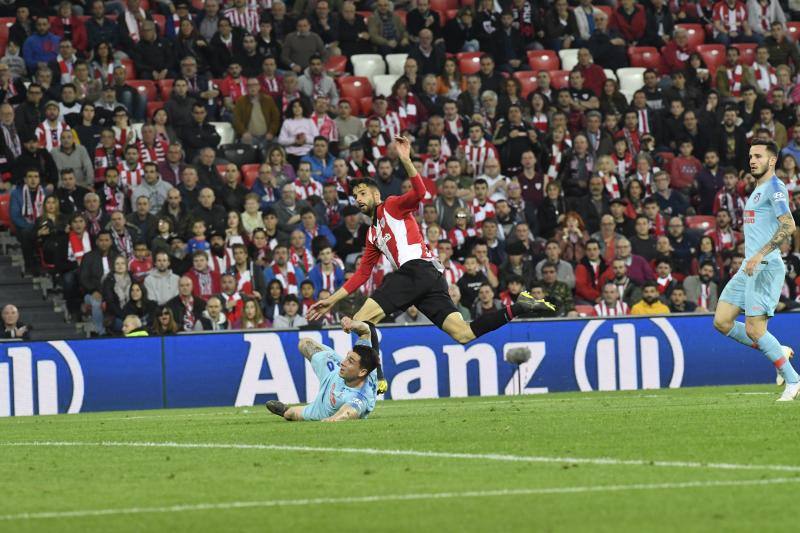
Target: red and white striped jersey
246	19
326	126
394	234
731	18
156	153
766	77
481	212
459	236
453	272
49	136
124	137
477	154
377	146
233	88
105	158
358	172
407	111
433	169
221	264
456	127
391	124
307	190
602	309
130	177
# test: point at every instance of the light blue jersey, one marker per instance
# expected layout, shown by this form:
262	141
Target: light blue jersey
759	294
334	393
767	202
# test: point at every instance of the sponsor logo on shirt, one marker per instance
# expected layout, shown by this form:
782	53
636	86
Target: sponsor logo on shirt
749	216
778	196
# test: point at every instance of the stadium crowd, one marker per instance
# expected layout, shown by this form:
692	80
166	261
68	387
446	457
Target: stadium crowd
538	179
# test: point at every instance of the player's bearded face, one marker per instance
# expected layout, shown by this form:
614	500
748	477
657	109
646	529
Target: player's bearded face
365	199
759	164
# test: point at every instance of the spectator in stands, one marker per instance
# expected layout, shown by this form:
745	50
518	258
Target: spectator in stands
386	30
290	317
606	44
301	45
768	122
553	256
153	187
782	50
252	317
161	284
320	160
326	274
185	307
561	27
664	278
486	301
733	78
617	274
761	15
224	45
212	214
315	81
100	28
557	292
13	327
115	288
63	64
94	268
312	229
212	318
670	202
678	302
423	18
164	322
153	55
26	205
650	303
588	272
41	46
266	44
172	168
199	134
179	106
702	290
509	45
298	131
74	157
638	268
610	303
630	19
730	22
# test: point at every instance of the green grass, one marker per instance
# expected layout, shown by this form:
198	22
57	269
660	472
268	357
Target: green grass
740	425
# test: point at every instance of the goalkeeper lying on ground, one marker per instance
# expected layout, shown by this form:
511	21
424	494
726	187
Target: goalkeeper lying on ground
347	385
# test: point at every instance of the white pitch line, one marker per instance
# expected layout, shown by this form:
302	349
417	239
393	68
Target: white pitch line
604	461
393	497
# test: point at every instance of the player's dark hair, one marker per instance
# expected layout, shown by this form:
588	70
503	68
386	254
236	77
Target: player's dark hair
367	356
364	181
771	147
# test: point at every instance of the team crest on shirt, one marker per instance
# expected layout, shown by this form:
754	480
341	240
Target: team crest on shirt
756	197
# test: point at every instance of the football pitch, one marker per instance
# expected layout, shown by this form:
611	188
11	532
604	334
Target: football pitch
721	459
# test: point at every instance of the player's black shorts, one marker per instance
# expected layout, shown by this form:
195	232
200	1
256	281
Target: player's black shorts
416	283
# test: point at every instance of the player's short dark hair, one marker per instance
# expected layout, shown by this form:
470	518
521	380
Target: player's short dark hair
771	147
365	181
368	357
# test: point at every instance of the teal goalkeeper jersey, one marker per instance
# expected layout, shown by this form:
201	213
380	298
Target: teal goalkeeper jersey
767	202
334	393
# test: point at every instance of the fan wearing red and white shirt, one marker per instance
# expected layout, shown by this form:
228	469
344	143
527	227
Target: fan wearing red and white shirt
107	154
304	185
375	141
390	120
730	22
48	133
405	104
477	149
434	166
453	122
151	148
359	166
610	303
243	17
233	86
271	83
724	236
231	299
764	73
325	124
482	207
417	279
131	171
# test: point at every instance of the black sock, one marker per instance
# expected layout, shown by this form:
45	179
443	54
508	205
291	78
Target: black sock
491	321
375	346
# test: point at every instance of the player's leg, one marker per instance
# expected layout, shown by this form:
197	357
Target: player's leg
725	322
383	385
761	297
370	312
323	361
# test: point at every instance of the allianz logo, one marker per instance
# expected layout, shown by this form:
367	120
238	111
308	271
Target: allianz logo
626	360
31	385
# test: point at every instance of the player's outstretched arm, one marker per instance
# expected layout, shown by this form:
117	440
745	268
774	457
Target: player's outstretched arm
412	198
358	327
347	412
785	231
308	347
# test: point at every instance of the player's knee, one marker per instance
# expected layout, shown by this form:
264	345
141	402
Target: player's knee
723	325
754	331
463	335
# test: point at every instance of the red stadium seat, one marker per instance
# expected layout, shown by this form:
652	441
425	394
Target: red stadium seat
528	80
713	56
703	222
161	22
5	212
442	16
250	174
747	52
469	62
199	5
146	88
221	169
336	64
365	104
130	68
645	57
355	86
165	88
365	14
559	79
585	310
444	5
152	107
5	24
543	60
697	35
793	29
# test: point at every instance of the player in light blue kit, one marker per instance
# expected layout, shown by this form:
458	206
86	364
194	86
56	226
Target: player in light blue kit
347	385
756	287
